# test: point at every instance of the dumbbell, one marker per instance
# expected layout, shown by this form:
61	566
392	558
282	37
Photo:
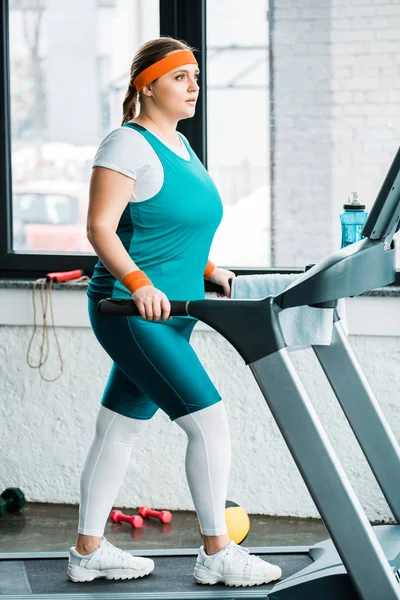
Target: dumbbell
11	500
164	516
134	520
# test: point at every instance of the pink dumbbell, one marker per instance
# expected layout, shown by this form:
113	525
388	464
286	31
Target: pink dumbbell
164	516
134	520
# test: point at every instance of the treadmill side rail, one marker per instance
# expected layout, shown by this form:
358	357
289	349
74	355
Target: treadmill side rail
350	271
363	413
325	478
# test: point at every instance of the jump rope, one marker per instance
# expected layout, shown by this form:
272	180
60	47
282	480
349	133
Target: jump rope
46	287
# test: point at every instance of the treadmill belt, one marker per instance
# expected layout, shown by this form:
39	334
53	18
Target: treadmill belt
171	574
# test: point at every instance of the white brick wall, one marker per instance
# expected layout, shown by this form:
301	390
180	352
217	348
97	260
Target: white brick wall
367	117
46	428
303	144
337	103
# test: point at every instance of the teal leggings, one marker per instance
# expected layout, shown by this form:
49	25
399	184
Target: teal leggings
154	366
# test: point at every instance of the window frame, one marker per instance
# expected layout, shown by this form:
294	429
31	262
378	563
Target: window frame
180	19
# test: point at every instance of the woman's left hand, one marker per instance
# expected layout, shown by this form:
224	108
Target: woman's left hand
221	277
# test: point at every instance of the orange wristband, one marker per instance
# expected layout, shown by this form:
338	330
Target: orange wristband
210	268
135	280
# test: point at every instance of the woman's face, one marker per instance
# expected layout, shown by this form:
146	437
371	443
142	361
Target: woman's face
177	91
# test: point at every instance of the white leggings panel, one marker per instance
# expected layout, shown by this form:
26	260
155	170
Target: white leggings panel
208	461
105	468
207	466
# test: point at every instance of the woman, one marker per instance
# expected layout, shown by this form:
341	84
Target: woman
152	216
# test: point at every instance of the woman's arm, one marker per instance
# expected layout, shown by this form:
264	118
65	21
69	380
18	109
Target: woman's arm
109	194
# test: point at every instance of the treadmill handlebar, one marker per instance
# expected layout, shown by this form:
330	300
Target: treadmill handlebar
238	321
121	307
348	272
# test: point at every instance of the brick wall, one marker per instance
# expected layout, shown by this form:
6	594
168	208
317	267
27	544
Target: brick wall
336	101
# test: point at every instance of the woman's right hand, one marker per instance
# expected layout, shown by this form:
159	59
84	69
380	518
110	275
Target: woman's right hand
152	303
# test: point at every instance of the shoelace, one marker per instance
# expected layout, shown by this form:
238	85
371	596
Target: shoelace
245	555
112	553
242	553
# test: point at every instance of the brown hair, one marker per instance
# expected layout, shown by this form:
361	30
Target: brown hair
148	53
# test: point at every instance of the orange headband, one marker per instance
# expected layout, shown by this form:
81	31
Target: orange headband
170	62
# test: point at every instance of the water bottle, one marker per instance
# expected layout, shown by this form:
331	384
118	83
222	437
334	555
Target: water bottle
352	219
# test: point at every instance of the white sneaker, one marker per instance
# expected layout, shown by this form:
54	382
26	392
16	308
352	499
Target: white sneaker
107	561
234	566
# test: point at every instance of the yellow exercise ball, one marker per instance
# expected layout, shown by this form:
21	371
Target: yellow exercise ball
237	522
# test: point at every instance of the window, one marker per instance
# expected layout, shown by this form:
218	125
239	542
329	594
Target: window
69	72
298	107
302	109
238	129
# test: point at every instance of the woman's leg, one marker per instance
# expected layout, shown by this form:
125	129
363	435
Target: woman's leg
123	412
103	473
159	360
208	459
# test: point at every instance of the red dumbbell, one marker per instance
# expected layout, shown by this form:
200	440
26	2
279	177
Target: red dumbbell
164	516
134	520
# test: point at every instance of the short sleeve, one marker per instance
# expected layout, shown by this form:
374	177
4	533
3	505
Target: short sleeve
117	152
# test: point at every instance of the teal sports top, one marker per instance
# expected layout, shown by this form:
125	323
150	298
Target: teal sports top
169	235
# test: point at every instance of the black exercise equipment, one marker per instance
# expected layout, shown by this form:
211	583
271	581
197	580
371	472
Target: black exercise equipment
359	561
11	500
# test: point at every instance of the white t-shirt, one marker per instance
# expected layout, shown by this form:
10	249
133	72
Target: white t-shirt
127	151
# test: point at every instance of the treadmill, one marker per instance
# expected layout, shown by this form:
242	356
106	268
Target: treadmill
359	562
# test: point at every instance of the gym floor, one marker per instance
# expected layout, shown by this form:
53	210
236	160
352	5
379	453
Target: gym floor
52	528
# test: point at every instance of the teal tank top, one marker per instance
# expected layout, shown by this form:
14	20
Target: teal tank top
169	235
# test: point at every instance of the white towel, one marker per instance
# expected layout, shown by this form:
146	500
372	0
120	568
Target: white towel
302	326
